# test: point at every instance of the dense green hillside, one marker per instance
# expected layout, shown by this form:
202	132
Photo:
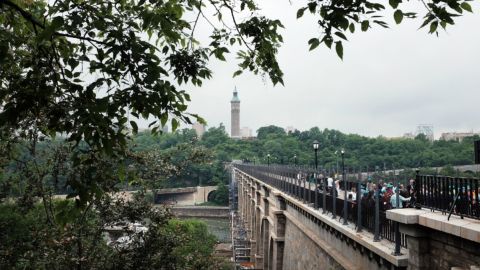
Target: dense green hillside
361	152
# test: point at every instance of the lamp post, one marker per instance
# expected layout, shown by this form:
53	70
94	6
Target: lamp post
315	148
295	160
336	159
268	159
345	204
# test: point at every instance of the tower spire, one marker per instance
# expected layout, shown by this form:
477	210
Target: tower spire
235	114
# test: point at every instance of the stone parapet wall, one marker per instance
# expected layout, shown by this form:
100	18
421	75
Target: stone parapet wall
201	211
301	252
436	242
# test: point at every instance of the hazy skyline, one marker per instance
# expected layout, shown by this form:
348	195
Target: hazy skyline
390	80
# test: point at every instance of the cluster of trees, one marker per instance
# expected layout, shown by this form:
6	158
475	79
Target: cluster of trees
40	231
361	153
29	241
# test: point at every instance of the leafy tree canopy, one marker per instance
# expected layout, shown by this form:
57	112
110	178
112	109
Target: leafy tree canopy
275	131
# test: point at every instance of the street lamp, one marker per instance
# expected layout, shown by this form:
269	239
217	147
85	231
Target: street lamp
295	160
315	148
336	159
345	209
268	159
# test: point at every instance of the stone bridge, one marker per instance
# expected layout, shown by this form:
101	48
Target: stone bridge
184	196
174	196
286	228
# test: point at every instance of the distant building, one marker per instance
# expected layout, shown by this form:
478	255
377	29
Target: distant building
246	132
235	113
457	136
426	130
290	129
199	129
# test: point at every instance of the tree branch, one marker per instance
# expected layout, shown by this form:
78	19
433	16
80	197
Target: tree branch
25	14
195	24
81	38
29	17
236	25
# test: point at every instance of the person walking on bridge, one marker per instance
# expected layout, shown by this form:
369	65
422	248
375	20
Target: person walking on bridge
393	201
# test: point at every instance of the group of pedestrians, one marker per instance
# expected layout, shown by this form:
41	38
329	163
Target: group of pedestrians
387	192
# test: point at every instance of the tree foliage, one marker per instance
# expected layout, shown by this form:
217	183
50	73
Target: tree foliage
27	240
339	18
362	153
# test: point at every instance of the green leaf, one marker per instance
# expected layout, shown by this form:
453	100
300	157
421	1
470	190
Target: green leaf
398	16
365	25
238	72
175	124
443	24
352	28
394	3
433	27
57	22
328	43
341	35
312	6
466	6
300	12
163	119
339	49
134	127
314	42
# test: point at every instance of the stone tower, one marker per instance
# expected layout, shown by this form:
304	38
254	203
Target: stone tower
235	104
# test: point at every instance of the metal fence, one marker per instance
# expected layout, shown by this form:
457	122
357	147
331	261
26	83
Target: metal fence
456	195
310	186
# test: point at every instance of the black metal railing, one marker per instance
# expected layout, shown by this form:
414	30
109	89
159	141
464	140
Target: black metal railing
454	195
311	187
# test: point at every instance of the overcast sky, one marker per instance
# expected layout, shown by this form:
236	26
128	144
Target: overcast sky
390	80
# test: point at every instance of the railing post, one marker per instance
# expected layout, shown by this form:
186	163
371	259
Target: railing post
376	237
310	189
324	197
418	188
397	229
290	184
297	186
345	202
359	207
334	202
305	190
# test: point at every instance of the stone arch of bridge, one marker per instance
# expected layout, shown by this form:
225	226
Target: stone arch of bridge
210	195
